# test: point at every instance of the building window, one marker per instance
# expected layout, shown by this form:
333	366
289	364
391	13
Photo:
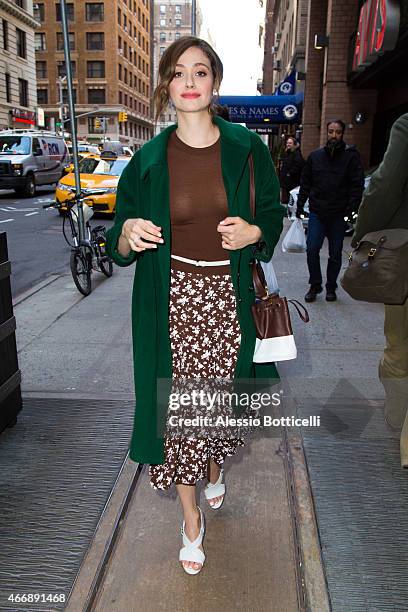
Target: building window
178	23
60	41
5	35
147	24
62	70
96	70
130	79
119	16
162	50
21	43
41	69
39	41
125	99
42	96
120	72
20	3
96	96
23	92
8	88
94	11
163	9
69	11
39	12
124	23
95	41
162	36
120	97
65	96
177	35
125	48
126	76
162	23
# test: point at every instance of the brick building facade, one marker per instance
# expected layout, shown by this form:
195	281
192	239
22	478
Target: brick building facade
111	50
18	95
368	98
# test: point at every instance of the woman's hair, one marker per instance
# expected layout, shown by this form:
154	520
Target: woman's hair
167	69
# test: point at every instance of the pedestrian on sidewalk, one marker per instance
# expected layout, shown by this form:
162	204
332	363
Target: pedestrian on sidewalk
385	206
333	180
183	200
291	168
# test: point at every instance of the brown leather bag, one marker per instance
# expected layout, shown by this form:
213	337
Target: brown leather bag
274	334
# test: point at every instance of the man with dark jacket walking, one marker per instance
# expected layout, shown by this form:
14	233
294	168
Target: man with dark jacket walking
291	168
333	180
385	206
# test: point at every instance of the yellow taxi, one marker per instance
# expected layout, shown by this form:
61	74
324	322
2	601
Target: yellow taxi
97	173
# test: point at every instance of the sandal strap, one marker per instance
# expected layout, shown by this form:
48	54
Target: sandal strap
188	543
215	490
192	554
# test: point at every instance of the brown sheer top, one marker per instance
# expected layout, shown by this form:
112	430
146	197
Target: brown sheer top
198	203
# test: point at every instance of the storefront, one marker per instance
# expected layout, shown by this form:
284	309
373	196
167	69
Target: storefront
379	62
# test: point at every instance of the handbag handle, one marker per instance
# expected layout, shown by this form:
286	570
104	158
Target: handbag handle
298	305
258	276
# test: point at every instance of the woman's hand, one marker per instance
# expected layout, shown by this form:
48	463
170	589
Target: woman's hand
141	234
237	233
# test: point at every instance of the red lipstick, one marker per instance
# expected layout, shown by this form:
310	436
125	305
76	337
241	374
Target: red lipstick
190	95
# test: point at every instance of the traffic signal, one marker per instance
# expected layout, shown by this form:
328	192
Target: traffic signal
122	117
97	123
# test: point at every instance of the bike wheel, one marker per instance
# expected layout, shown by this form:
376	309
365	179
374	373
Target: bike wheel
81	268
105	263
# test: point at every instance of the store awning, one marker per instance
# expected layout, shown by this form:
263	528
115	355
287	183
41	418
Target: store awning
264	109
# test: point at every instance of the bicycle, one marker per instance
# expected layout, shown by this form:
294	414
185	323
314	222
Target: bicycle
90	255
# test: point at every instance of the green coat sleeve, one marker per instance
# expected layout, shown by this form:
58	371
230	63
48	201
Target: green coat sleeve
269	212
127	207
384	195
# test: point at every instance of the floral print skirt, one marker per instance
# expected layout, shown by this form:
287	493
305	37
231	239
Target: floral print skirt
205	339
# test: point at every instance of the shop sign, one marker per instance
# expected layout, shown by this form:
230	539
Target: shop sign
22	116
378	29
40	117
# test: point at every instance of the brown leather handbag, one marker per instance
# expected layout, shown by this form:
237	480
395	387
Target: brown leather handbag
274	334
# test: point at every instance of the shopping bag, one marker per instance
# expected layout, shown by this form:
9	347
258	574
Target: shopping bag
270	277
295	239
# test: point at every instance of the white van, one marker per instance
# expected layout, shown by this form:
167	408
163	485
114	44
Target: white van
29	158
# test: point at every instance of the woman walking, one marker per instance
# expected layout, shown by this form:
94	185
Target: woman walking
184	199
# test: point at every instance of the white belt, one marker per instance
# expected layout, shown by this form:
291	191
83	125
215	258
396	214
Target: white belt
200	263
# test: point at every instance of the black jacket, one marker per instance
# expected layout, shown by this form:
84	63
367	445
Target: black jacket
291	169
334	183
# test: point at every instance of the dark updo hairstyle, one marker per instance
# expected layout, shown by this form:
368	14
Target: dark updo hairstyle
167	69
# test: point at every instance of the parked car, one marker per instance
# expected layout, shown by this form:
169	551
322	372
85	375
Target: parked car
97	172
292	205
29	158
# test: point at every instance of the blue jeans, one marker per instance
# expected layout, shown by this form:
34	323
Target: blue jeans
318	229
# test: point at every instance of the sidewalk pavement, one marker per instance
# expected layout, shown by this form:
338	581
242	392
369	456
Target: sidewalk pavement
263	548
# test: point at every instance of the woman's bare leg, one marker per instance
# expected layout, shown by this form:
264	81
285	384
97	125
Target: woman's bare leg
187	494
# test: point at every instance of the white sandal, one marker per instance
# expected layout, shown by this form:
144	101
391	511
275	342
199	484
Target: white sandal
215	490
190	550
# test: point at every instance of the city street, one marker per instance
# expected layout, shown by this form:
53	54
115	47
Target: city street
36	245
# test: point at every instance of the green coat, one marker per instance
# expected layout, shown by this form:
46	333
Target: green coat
385	201
143	191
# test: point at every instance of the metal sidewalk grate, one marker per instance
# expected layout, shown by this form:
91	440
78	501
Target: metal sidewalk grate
361	500
57	469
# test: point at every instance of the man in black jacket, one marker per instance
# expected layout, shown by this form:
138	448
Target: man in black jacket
333	180
291	168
